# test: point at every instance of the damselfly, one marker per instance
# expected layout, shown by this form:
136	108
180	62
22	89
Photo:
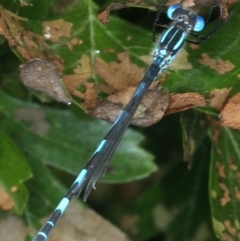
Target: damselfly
168	45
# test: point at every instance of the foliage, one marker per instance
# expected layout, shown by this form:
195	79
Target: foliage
47	143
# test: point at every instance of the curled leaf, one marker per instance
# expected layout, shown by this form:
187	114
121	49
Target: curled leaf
150	111
181	102
41	75
230	114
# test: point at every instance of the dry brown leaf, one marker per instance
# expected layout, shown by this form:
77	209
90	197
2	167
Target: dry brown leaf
41	75
223	7
218	96
27	44
150	110
104	14
230	114
181	102
185	3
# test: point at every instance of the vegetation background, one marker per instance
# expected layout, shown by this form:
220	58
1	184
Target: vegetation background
148	191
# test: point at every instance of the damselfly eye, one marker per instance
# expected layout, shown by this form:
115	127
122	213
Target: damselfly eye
199	25
171	9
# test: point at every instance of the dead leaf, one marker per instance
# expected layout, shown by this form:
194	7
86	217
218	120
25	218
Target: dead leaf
218	96
230	114
223	7
185	3
27	44
41	75
181	102
103	15
150	110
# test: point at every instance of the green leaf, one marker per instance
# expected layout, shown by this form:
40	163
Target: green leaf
64	141
45	192
224	183
14	170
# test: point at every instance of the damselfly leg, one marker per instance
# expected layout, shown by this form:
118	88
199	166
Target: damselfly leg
201	39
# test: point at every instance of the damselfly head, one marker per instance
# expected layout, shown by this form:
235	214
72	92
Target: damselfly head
175	12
